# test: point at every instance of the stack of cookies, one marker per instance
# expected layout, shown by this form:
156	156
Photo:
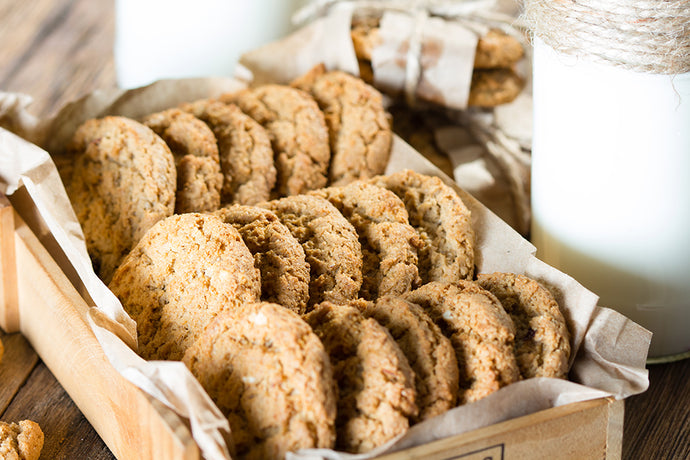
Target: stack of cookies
494	79
320	303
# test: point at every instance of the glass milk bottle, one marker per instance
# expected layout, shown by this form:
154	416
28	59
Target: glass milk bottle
157	39
611	188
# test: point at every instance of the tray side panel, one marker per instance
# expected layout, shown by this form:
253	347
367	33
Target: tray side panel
51	317
577	430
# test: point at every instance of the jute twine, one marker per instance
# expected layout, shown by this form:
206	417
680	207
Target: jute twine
651	36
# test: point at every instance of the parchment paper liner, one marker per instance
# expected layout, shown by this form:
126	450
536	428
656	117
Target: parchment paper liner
609	351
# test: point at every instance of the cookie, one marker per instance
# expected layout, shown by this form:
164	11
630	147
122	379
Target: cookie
492	87
298	134
185	270
271	376
389	243
330	243
359	127
542	341
497	49
2	350
441	219
246	156
375	382
122	183
277	254
21	441
194	147
429	352
480	330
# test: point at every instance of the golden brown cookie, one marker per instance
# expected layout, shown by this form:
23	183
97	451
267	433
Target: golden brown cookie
123	182
270	375
20	441
330	244
246	156
358	125
497	49
375	381
389	243
2	350
542	341
480	330
428	351
442	220
492	87
298	134
277	254
195	149
185	270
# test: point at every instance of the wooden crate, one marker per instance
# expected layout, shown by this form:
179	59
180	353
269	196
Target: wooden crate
37	299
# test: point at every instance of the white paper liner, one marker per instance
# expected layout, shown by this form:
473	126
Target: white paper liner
609	351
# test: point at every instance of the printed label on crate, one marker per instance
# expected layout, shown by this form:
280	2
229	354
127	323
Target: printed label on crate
488	453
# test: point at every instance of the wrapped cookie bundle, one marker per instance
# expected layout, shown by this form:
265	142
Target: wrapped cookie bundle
494	78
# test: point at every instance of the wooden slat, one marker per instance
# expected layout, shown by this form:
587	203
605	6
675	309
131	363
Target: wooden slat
51	317
17	363
578	430
9	309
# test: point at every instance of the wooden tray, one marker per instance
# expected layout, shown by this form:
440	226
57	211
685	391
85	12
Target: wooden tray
37	299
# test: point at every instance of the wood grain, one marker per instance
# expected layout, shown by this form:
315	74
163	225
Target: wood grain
657	422
56	50
67	434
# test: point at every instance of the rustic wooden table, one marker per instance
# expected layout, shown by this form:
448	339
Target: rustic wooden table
59	50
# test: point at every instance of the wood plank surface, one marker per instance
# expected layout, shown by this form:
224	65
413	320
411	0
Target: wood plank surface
59	50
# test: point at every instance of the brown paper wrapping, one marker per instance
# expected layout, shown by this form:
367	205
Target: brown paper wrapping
609	351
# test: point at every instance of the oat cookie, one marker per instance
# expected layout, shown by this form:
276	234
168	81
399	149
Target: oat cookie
359	128
375	382
194	147
497	49
492	87
442	220
20	441
542	341
246	156
298	134
480	330
185	270
277	254
428	351
123	182
271	376
330	243
389	243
